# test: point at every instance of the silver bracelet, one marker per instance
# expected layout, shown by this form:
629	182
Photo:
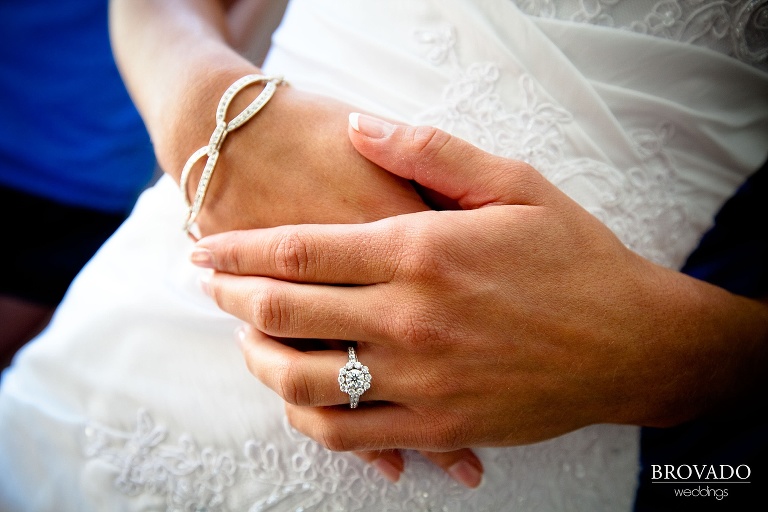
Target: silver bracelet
211	151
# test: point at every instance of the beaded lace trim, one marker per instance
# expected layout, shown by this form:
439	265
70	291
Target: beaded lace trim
737	28
293	473
640	205
188	477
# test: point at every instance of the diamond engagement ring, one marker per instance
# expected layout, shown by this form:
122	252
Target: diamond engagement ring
354	378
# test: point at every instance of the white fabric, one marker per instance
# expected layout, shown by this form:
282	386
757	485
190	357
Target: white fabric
737	28
136	397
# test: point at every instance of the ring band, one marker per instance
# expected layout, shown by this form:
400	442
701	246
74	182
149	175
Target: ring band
354	378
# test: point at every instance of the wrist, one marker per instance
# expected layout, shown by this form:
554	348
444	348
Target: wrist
185	121
225	124
708	351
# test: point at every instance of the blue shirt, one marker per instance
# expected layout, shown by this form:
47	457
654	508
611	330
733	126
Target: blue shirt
68	129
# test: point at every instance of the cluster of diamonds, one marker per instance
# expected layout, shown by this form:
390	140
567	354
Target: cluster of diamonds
354	378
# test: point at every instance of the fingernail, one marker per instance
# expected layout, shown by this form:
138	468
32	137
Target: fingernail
466	474
240	334
202	257
205	282
372	127
387	469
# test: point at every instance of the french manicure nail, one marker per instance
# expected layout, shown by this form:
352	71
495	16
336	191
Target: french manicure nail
387	469
372	127
466	474
205	282
240	334
202	257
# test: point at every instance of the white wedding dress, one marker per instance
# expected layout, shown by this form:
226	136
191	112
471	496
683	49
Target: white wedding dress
648	113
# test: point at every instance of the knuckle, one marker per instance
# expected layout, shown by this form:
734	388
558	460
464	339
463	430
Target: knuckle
420	327
445	389
228	258
528	178
272	311
292	384
415	329
318	427
429	141
422	254
330	438
293	255
234	254
444	432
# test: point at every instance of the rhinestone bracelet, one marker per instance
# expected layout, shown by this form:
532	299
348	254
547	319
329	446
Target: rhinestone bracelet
211	151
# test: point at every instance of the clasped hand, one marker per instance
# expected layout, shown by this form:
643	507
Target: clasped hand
509	315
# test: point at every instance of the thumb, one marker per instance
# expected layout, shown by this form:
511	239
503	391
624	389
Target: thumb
444	163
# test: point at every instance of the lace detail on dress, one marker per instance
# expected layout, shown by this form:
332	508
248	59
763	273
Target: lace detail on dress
188	477
472	109
641	205
737	28
304	476
291	472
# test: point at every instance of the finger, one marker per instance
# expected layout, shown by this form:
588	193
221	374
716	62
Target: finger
306	379
340	254
290	310
462	465
388	462
445	164
380	426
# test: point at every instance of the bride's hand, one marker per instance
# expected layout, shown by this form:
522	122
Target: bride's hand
292	163
518	319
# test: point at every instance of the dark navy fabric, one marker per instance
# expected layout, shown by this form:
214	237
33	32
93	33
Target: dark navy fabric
68	129
44	253
734	253
734	256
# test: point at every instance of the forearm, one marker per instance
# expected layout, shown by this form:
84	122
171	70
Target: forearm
292	163
176	60
715	356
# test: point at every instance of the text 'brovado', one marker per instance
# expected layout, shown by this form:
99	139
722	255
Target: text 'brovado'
700	472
